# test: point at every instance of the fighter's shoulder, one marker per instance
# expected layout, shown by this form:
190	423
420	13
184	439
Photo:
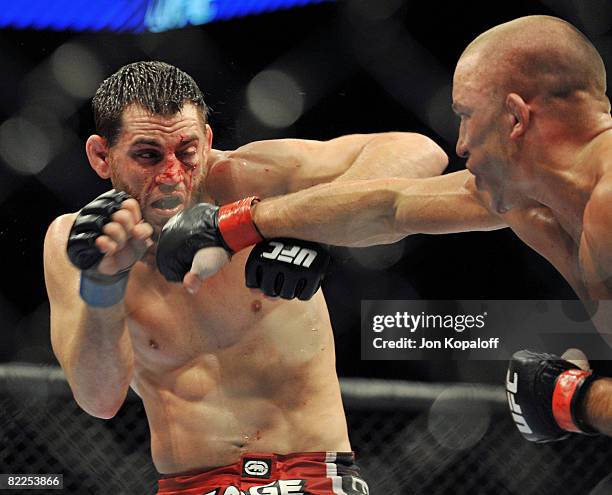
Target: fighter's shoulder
57	233
349	141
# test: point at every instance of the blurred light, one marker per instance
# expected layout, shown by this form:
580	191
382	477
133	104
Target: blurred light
24	146
78	15
41	90
77	70
458	422
170	14
46	121
133	15
275	98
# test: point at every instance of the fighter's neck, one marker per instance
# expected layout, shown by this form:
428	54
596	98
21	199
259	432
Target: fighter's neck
565	176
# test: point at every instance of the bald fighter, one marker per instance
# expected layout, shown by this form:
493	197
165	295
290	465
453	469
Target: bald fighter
240	390
537	134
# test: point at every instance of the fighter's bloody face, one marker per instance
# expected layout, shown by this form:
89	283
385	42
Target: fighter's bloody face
482	134
160	160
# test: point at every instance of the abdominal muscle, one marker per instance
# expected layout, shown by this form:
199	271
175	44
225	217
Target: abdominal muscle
228	371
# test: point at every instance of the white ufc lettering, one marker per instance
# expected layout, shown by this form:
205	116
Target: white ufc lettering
290	254
515	408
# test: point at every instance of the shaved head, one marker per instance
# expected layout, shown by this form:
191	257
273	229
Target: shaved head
537	56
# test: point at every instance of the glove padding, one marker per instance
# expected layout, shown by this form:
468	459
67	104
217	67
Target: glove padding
530	384
183	236
87	227
288	268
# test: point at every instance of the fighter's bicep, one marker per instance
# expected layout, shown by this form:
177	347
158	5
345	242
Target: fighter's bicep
276	167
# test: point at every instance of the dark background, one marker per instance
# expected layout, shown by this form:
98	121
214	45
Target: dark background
360	67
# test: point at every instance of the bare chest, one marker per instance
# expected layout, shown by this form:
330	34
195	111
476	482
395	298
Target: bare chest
224	325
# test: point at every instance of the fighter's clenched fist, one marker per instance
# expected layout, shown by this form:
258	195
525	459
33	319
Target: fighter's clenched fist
108	236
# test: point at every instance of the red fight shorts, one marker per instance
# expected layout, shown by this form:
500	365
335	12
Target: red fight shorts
311	473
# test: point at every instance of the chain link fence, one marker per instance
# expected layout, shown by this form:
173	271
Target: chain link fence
410	438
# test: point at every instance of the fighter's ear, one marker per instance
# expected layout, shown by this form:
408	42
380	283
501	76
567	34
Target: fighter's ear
96	148
520	114
209	136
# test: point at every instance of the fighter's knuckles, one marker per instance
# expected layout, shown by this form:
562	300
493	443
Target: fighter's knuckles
106	245
142	231
133	207
126	218
116	232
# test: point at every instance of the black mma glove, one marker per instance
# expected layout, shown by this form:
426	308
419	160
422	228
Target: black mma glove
87	227
288	268
96	289
204	225
545	395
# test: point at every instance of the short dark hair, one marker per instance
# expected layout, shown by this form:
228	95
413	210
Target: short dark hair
158	87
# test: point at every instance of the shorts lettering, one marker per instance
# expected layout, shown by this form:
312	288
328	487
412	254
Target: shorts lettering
280	487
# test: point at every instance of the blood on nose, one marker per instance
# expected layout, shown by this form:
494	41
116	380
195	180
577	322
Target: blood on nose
172	174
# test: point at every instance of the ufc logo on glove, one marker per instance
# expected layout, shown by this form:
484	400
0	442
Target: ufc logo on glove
287	268
290	254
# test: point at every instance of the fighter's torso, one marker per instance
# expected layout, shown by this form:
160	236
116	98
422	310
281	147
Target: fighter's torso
594	239
567	238
228	370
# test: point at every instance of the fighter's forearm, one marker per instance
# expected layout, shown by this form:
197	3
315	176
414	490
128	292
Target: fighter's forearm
354	213
368	212
98	360
598	406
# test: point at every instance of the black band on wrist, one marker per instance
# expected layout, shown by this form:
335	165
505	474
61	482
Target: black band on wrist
578	404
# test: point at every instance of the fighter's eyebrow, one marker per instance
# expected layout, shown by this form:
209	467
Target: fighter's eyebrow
147	141
188	139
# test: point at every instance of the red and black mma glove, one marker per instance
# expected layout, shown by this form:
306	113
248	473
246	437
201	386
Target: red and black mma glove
96	288
288	268
546	396
204	225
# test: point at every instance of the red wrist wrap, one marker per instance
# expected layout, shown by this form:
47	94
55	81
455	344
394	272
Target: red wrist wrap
566	386
236	224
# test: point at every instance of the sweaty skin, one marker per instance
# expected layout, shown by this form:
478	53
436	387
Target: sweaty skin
386	210
225	371
536	131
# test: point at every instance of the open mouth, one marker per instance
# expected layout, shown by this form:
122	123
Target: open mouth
167	206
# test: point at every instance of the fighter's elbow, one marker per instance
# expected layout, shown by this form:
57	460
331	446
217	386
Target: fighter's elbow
435	158
99	401
98	408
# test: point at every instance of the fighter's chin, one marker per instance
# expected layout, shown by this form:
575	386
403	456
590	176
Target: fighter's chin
158	217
